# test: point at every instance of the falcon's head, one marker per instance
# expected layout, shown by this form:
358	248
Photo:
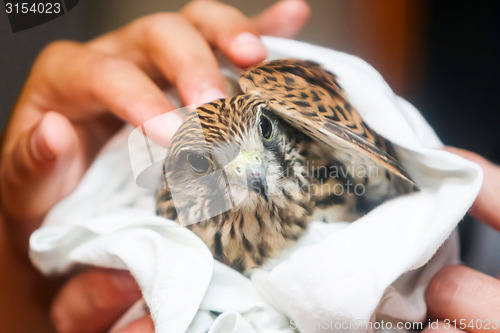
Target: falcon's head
231	154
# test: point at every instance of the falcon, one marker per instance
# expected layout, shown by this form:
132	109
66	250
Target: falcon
248	173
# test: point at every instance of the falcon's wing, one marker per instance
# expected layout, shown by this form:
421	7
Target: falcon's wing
309	98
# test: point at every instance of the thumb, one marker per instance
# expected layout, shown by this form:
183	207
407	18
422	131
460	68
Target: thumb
36	171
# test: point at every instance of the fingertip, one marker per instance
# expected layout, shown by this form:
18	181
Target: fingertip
96	298
209	95
443	287
39	146
284	19
247	49
298	11
161	129
458	291
53	138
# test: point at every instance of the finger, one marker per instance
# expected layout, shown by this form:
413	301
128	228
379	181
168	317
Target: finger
467	296
129	93
284	19
143	324
32	172
487	204
440	326
94	299
93	83
89	85
228	29
178	50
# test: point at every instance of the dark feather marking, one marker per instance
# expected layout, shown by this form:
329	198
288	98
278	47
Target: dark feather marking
264	69
207	119
301	103
289	80
286	194
341	111
172	212
238	264
241	222
316	98
232	232
207	110
330	200
311	114
246	243
258	259
218	244
165	195
272	212
259	221
299	182
301	224
262	249
271	78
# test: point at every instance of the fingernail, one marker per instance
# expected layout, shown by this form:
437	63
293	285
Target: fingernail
172	121
162	128
209	95
39	146
246	44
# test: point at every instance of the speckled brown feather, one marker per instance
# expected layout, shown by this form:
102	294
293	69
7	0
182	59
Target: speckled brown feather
240	238
311	99
320	129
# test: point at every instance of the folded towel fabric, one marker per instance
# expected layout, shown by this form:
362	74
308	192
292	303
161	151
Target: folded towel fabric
339	276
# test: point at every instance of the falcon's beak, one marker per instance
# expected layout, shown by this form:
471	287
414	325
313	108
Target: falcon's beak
249	165
256	179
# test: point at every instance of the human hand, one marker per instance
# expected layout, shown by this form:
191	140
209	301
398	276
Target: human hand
61	118
68	109
460	297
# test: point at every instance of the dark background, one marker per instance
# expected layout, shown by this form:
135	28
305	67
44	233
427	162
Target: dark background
460	91
443	56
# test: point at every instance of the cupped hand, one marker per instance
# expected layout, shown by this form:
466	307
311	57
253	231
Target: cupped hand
461	298
78	95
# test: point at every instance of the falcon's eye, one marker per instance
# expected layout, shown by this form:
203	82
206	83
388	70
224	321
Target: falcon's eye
200	164
266	127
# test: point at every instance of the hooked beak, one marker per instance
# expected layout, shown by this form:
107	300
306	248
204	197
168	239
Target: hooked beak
256	179
250	170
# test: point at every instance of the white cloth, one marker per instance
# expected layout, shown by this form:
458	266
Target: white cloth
337	276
